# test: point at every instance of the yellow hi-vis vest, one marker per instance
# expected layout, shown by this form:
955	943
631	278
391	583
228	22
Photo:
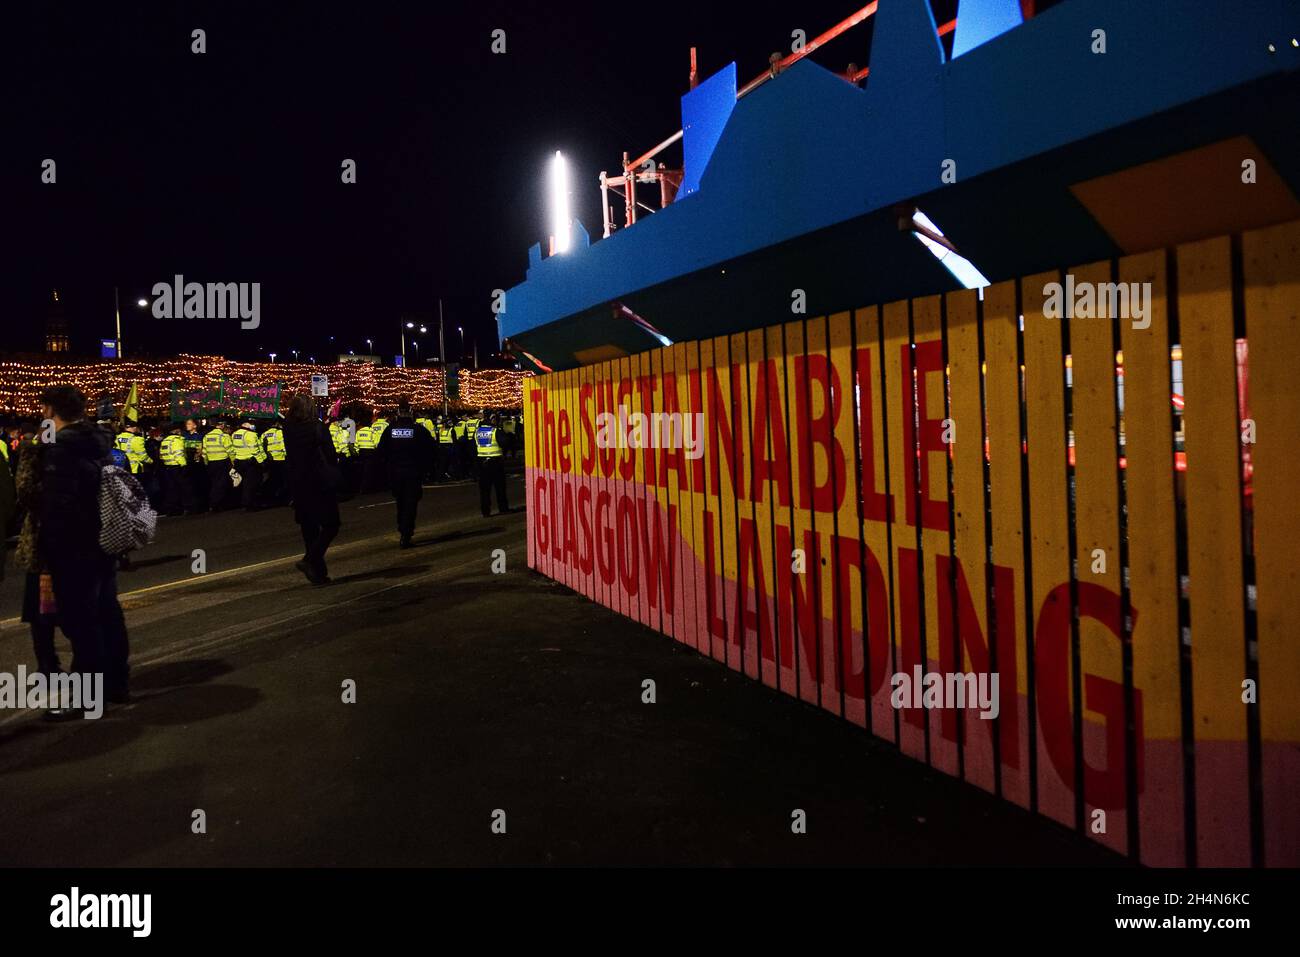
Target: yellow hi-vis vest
273	443
428	426
339	435
485	437
444	434
172	450
132	447
366	438
216	446
377	429
247	446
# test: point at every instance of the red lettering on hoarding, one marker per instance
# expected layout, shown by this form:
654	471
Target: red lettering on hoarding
606	556
751	618
659	562
919	445
566	438
674	458
827	496
876	505
723	436
541	532
627	467
769	434
1102	788
629	571
588	434
585	557
975	645
796	601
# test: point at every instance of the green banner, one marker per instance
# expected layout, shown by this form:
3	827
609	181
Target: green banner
225	398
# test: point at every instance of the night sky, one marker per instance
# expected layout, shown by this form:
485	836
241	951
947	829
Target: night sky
225	166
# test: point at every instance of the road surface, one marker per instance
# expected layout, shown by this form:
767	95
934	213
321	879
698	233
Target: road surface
476	693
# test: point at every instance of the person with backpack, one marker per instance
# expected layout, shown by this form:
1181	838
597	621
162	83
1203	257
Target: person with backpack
83	575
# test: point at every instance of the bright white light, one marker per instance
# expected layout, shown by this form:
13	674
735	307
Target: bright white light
962	269
142	302
560	217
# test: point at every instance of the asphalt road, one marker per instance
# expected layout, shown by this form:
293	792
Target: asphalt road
476	693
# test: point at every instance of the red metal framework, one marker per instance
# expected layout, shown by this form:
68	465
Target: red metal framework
642	169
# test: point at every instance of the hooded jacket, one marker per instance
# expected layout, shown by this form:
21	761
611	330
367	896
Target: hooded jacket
69	501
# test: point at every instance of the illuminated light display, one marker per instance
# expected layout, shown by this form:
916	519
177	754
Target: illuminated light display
376	386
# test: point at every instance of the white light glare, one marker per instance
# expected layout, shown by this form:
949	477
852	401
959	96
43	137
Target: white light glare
560	218
962	269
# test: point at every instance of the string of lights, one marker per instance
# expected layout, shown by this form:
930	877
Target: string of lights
379	387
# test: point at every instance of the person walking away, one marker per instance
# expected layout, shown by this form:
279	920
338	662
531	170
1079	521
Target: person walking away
491	466
83	577
177	496
246	447
274	491
313	477
217	449
39	610
405	448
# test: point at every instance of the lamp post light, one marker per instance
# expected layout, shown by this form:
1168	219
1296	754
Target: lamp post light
272	355
402	327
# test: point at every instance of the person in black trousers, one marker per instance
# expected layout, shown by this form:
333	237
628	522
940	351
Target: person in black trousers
84	578
406	450
314	478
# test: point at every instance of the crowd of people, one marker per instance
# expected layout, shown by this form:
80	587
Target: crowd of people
50	484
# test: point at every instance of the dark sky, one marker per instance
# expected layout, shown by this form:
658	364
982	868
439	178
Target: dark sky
225	166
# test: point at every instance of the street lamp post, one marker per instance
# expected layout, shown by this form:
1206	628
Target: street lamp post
442	360
117	320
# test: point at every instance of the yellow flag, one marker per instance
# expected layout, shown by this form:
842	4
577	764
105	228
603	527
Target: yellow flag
131	410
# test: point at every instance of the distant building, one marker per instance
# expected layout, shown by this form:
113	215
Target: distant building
56	326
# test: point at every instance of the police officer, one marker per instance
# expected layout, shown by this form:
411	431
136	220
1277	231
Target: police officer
491	466
366	440
275	490
246	448
217	448
196	477
131	444
445	446
177	495
426	423
405	449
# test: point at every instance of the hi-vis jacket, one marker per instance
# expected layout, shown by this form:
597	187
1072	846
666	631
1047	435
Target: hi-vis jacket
216	446
246	445
132	447
339	436
172	451
485	438
273	443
